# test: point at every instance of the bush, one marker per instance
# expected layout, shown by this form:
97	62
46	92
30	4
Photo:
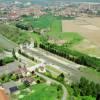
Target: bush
6	60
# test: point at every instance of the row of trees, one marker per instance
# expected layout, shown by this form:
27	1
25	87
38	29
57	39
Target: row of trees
6	60
86	88
72	55
26	55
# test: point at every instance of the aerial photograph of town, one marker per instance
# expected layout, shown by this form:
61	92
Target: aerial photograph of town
49	49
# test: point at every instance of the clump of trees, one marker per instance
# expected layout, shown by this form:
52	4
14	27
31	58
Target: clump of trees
23	26
72	55
85	88
6	60
61	77
8	77
14	54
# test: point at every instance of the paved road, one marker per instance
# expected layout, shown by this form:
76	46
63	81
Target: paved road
64	97
75	73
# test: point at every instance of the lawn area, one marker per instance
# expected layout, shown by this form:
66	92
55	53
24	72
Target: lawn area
53	69
40	92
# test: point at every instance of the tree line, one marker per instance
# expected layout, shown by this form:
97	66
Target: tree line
75	56
86	88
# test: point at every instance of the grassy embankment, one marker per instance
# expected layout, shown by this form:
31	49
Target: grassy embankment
10	33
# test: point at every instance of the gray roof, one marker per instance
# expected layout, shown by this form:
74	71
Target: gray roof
9	85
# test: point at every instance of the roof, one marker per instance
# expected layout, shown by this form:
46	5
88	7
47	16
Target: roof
9	68
13	89
9	85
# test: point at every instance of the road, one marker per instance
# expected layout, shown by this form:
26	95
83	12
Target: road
74	72
64	97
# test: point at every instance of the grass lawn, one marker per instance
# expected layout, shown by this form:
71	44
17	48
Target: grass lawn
55	72
40	92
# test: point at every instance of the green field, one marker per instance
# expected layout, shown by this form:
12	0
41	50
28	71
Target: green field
42	22
39	92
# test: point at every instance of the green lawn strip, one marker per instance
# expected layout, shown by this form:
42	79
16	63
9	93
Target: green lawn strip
53	69
41	92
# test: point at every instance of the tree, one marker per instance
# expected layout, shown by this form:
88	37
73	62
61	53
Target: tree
98	96
83	85
35	44
61	77
26	83
1	62
14	54
14	77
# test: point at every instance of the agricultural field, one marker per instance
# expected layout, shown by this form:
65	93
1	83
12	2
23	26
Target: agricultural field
39	92
42	22
54	25
87	27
